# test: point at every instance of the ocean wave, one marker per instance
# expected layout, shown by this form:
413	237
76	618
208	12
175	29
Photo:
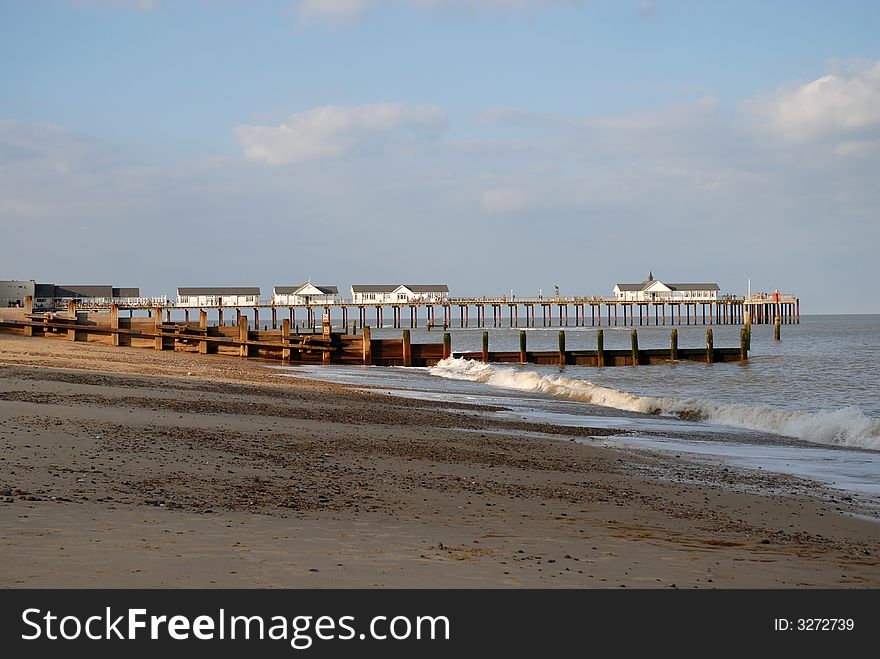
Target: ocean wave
847	426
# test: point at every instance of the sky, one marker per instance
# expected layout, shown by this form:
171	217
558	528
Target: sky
497	146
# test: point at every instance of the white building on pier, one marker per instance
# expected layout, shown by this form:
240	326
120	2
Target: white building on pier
399	293
307	293
218	296
654	290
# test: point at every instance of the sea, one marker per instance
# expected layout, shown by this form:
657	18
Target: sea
807	405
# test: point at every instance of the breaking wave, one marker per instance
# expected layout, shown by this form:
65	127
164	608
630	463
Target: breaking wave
844	427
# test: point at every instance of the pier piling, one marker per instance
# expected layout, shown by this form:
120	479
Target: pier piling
635	347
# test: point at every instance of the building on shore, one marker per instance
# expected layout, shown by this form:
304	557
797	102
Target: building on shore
14	291
94	295
399	293
654	290
307	293
44	296
218	296
52	296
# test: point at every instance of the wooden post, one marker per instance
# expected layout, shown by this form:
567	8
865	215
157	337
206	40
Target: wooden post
743	344
71	313
600	347
776	331
368	351
407	349
673	345
203	325
243	336
485	346
220	316
561	348
522	347
274	317
285	340
28	310
159	342
447	345
635	348
114	324
710	347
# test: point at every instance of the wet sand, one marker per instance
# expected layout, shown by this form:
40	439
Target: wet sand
126	467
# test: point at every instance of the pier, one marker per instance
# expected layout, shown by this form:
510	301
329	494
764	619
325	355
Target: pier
504	312
289	345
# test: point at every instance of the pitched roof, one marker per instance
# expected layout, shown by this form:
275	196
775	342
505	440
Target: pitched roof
290	290
44	290
126	292
694	287
673	287
428	288
219	290
374	288
70	290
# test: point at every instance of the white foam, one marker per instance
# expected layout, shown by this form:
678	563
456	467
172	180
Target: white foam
848	426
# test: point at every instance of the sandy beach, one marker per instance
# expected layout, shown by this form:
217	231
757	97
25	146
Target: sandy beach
122	467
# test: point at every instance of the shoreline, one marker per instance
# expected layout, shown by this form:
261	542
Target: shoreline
176	469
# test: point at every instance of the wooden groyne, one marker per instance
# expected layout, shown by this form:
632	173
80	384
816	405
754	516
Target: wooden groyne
600	357
329	347
240	340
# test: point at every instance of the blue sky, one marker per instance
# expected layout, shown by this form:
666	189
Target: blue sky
489	144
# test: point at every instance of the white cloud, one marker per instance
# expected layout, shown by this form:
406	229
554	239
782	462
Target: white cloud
333	131
843	107
333	12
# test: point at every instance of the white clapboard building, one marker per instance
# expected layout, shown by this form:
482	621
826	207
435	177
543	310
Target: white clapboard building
218	296
654	290
399	293
307	293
